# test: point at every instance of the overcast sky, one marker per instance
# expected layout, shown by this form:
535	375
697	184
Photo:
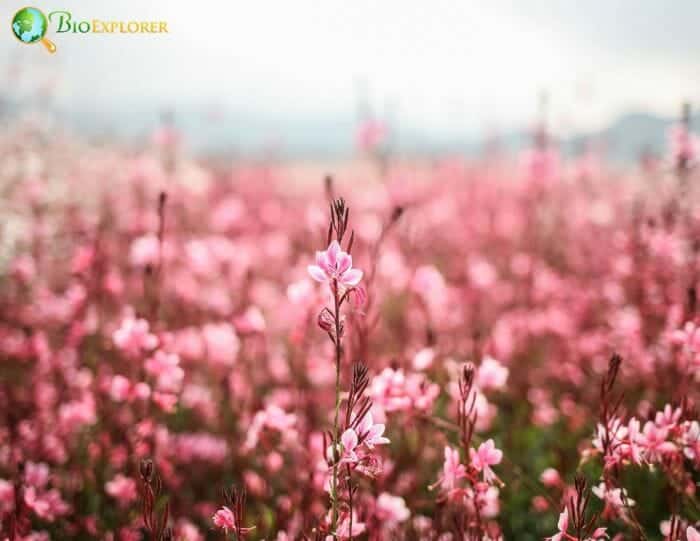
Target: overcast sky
440	65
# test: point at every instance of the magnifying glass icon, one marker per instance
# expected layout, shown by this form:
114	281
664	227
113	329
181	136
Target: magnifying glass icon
29	25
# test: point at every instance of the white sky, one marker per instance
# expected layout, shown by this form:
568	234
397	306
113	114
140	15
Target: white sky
441	65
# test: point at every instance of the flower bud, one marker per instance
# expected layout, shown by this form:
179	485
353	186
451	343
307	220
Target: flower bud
146	470
326	320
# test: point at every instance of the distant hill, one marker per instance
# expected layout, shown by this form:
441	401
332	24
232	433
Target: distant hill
633	133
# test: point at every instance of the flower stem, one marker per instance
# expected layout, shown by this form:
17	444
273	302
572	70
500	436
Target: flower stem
336	427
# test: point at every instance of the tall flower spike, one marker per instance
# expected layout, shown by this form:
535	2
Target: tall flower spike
577	509
151	491
340	214
466	410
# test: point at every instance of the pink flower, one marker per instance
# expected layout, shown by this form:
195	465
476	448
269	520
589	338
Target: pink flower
36	475
615	497
562	526
486	456
119	388
77	413
273	417
165	401
46	505
359	298
668	417
349	440
252	321
550	477
186	531
452	469
134	337
491	375
371	434
224	519
691	440
7	496
487	500
335	265
393	390
653	440
430	285
203	447
692	534
392	509
343	529
165	367
123	489
222	344
598	534
423	359
144	251
633	449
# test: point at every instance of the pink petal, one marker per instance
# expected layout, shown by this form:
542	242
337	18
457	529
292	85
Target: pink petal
692	534
366	424
352	277
316	273
332	253
376	431
344	262
349	439
563	523
323	261
600	532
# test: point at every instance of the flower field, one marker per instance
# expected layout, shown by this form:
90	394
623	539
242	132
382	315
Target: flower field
501	348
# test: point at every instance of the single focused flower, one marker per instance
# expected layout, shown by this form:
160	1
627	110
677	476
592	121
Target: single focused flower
335	265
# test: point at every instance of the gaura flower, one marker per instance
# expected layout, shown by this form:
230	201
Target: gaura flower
335	265
349	440
562	526
486	456
452	470
225	519
370	433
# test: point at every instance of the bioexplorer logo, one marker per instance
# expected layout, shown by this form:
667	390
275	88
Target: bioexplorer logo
30	25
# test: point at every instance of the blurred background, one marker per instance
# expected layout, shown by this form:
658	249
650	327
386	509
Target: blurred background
308	80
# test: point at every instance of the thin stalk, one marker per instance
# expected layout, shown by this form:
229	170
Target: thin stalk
336	427
350	502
